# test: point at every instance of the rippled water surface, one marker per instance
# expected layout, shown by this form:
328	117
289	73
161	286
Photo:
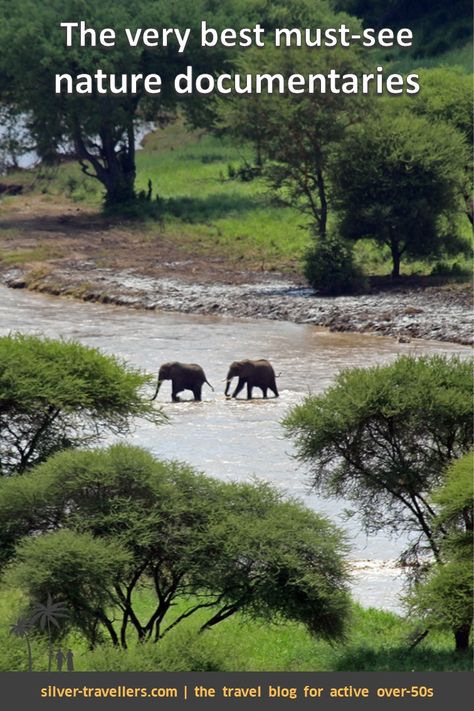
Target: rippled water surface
232	439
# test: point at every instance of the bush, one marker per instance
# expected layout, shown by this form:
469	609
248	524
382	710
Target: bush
330	269
456	269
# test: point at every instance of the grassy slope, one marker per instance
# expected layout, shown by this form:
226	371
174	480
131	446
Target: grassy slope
377	641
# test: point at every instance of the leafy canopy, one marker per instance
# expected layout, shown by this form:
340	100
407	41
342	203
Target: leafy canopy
400	179
58	394
231	547
99	127
383	437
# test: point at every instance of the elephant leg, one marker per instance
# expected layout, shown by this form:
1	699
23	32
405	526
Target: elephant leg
264	391
174	393
197	390
239	387
249	391
273	387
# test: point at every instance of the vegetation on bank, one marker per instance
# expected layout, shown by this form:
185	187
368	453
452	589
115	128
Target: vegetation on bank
95	527
56	394
207	212
376	640
293	144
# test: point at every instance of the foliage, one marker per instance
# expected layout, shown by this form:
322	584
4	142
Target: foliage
72	565
400	179
436	26
445	597
330	269
447	96
376	641
383	436
100	127
234	547
57	394
295	133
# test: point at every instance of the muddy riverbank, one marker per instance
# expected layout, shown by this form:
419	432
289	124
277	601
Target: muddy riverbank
432	313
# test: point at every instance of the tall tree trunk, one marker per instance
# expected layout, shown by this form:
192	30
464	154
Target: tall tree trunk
461	636
396	254
323	219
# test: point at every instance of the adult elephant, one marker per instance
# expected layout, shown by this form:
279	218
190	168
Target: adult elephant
254	374
183	376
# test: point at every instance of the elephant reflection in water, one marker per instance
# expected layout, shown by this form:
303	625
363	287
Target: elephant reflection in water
254	374
183	376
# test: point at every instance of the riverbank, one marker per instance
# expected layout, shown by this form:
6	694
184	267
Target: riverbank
74	251
443	314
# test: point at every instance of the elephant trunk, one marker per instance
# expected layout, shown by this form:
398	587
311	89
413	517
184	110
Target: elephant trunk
158	386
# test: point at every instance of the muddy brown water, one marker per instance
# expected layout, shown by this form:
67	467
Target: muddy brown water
234	440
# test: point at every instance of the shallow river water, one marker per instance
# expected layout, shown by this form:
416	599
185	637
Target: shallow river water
233	440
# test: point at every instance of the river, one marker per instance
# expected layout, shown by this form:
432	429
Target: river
233	440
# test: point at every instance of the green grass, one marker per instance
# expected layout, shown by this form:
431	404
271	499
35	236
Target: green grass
214	211
376	641
38	254
213	215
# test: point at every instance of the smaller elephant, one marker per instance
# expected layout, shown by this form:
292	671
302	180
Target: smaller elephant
183	376
254	374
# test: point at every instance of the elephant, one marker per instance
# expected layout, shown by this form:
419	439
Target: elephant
254	373
183	376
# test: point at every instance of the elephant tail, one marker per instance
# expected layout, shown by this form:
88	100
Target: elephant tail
207	381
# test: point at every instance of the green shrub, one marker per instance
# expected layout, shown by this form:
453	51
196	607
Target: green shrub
330	269
456	269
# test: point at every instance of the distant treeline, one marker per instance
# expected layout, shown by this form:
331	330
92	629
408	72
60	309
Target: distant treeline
440	25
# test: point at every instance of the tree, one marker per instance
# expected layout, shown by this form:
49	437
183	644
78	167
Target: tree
57	394
438	26
101	127
383	437
94	527
296	132
447	96
444	598
400	180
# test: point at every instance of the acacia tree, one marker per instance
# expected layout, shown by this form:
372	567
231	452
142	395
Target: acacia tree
400	179
57	394
94	527
383	437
